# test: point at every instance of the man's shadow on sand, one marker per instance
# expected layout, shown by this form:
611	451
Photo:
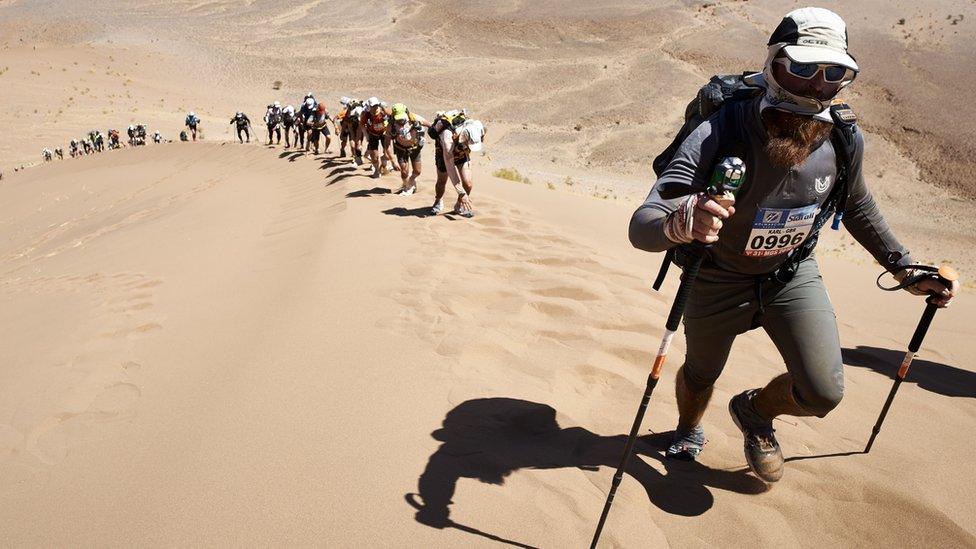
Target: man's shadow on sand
489	439
931	376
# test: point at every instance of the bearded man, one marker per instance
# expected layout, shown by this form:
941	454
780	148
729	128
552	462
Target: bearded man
760	270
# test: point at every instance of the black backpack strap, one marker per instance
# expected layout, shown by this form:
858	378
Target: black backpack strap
731	143
844	139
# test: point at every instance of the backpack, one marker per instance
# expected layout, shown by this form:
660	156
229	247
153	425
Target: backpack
454	119
722	90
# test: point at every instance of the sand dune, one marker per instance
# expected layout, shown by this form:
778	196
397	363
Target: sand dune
602	84
243	345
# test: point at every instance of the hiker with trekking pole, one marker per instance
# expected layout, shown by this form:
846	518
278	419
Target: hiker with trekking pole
802	153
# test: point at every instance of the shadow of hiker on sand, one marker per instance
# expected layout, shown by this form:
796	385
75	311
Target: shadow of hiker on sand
931	376
366	193
488	439
338	170
400	211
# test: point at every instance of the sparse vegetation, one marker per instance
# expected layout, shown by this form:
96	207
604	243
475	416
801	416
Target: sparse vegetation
276	85
511	174
569	181
551	185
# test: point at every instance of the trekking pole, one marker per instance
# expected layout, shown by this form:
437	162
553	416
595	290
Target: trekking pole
725	181
946	275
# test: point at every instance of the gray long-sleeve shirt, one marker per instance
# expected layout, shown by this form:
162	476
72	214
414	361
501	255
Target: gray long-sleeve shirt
774	210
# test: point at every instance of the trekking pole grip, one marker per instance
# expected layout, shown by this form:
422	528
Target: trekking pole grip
688	277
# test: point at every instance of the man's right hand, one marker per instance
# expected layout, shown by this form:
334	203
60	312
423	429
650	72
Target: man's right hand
709	214
699	217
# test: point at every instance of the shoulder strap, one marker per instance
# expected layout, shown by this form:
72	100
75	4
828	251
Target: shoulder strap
731	143
844	140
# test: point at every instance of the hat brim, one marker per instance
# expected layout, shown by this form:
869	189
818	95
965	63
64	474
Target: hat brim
816	54
401	117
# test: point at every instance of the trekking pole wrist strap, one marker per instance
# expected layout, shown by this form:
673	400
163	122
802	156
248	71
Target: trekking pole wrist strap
909	276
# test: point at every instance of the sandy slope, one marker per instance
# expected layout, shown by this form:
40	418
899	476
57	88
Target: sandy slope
242	346
601	84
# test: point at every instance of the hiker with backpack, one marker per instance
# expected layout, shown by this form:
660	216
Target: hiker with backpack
301	129
455	138
350	128
318	123
191	123
803	152
307	110
375	120
288	123
272	118
408	142
243	126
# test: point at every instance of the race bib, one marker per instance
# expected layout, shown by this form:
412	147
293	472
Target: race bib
777	231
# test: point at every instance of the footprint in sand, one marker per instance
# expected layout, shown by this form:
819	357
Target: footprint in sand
554	310
568	292
133	332
115	399
491	221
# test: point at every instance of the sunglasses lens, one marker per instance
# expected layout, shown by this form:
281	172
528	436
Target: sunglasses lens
803	70
835	73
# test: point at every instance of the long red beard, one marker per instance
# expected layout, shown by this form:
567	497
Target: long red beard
792	137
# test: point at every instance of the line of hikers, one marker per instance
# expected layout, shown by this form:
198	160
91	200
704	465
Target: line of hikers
392	134
95	142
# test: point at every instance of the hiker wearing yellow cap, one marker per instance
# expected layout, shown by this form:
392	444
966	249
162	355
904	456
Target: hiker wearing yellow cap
455	138
408	142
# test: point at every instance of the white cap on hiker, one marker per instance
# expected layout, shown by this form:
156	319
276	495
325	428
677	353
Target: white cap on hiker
814	35
472	132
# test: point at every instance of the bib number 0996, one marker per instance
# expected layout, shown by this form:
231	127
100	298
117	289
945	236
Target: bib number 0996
772	242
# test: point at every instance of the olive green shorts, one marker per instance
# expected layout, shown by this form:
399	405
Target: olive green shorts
797	316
